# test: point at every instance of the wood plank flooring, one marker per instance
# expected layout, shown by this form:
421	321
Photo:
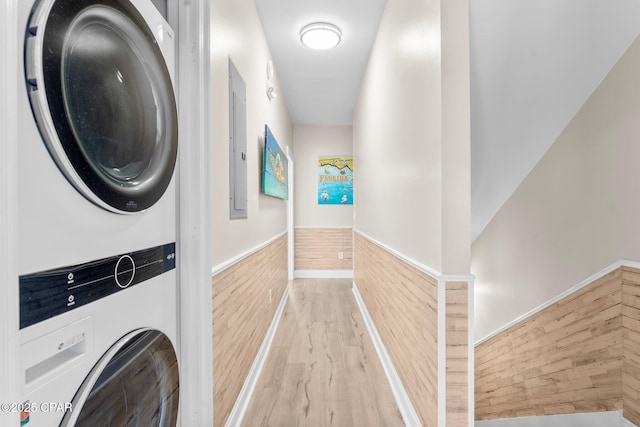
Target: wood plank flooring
322	369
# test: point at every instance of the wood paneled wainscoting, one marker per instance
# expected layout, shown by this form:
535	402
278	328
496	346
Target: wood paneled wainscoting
242	314
631	344
317	248
457	326
580	354
412	311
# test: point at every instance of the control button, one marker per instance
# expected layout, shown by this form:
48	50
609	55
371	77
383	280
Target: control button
125	271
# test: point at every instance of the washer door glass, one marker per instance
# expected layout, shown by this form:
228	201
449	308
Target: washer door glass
110	97
137	387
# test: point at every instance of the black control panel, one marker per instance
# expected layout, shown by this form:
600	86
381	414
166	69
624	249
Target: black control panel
49	293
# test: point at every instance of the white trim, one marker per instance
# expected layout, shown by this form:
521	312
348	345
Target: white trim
469	278
323	274
403	401
471	355
324	226
9	299
442	353
194	285
586	282
290	218
420	266
580	419
240	407
217	269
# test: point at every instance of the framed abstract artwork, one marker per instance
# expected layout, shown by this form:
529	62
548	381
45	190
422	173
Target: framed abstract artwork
275	168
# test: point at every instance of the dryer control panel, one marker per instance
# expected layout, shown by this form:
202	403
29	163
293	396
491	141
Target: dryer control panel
49	293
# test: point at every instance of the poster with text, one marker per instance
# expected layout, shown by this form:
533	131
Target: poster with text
335	180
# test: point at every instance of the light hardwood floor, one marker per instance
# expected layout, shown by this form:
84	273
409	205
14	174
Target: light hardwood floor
322	369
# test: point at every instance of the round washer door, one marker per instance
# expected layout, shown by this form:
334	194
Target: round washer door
103	99
134	384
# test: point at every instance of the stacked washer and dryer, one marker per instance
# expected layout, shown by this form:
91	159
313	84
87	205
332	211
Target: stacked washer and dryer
97	203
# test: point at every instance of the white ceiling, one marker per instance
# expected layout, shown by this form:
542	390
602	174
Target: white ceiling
320	87
533	65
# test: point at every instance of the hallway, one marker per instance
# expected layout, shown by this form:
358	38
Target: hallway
322	368
467	169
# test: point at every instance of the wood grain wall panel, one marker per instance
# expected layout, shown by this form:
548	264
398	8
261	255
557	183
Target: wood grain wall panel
631	343
567	358
402	302
457	327
242	315
317	248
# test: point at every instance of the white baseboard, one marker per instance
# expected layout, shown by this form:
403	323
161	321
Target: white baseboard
323	274
240	407
405	406
586	282
592	419
469	278
324	226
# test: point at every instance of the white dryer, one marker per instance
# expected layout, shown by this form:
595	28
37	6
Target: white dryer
97	200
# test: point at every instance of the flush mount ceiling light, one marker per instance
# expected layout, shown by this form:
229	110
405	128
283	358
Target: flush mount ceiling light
320	35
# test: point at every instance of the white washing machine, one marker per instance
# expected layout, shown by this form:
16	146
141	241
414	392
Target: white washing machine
98	137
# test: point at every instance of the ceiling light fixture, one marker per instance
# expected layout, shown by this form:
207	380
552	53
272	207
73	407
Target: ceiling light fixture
320	35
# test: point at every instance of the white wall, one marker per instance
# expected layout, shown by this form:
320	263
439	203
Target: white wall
576	212
236	32
397	134
310	142
456	138
410	193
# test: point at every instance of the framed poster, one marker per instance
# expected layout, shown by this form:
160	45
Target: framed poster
275	168
335	180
